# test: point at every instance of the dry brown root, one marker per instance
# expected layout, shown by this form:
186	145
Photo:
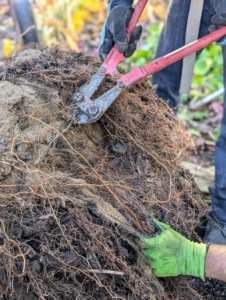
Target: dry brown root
71	217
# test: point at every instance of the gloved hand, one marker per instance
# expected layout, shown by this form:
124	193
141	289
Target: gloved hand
218	21
171	254
114	30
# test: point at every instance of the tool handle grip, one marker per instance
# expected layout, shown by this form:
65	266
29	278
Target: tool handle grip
195	46
138	74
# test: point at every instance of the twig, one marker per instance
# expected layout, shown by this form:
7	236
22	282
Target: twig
27	30
207	99
56	137
104	272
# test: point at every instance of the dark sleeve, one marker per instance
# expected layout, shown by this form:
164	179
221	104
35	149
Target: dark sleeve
114	3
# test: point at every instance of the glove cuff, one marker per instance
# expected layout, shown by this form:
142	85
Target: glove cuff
196	258
113	3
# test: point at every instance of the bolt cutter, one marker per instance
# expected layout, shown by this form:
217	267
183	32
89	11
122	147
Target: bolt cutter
85	110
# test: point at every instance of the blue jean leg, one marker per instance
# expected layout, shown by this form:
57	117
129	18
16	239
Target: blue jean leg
168	81
218	191
172	38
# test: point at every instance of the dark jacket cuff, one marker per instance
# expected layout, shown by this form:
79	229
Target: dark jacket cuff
114	3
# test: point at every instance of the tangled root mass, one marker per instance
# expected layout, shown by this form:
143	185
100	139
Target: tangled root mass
76	199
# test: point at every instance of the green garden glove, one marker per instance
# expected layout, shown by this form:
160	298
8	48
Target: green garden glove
171	254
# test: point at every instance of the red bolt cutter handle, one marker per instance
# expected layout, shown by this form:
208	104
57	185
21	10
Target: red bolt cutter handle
138	74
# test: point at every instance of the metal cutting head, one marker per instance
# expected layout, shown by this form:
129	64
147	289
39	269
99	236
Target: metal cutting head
86	110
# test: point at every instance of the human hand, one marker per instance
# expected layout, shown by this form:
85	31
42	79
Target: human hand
218	21
114	30
171	254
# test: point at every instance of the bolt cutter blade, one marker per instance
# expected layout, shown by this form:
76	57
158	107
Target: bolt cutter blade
90	111
90	87
82	100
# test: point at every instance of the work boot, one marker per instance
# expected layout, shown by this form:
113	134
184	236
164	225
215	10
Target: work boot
215	233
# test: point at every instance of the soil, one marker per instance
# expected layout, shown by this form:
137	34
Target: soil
75	200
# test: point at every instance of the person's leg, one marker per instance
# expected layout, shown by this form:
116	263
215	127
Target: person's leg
218	191
216	227
172	38
215	231
168	81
